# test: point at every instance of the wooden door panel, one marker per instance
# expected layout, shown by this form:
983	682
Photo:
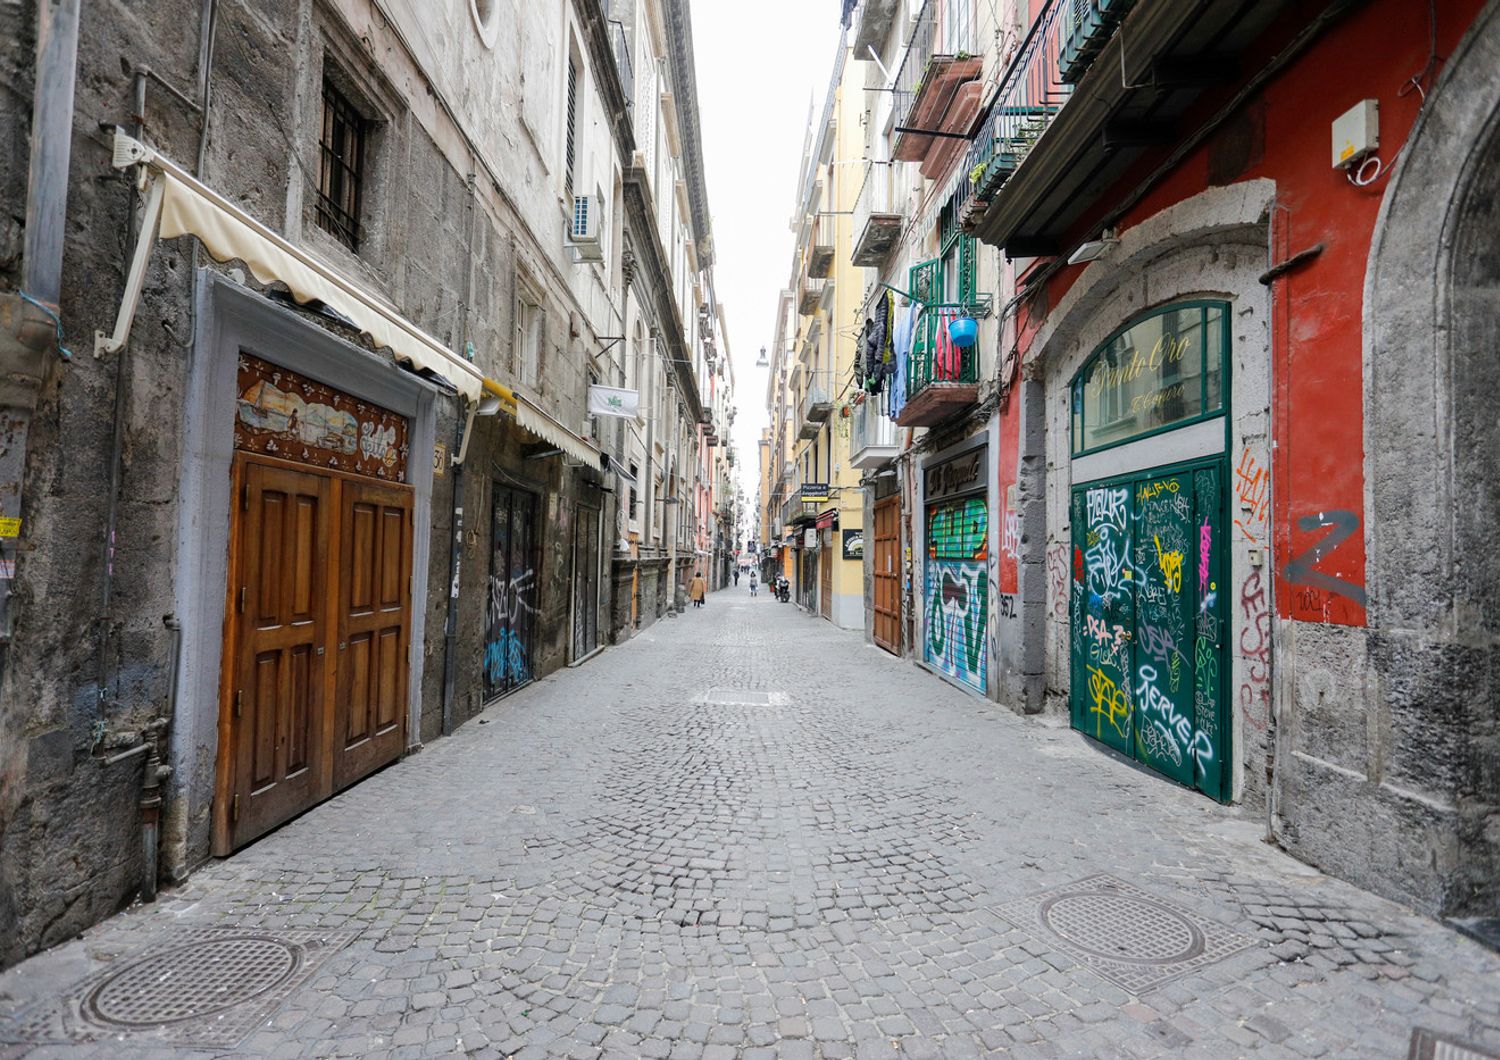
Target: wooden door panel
276	688
374	629
886	575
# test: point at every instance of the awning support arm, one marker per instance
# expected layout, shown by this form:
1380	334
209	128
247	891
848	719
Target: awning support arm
135	279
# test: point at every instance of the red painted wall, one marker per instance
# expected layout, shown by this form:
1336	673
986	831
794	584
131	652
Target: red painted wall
1317	401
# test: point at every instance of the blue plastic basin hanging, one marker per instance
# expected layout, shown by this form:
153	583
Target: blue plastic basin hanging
963	331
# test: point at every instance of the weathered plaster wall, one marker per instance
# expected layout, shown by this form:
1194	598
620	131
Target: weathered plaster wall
1399	788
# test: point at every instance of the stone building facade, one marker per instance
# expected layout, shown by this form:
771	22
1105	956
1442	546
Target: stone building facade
1236	490
354	266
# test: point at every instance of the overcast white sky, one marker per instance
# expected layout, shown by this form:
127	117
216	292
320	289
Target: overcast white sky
759	66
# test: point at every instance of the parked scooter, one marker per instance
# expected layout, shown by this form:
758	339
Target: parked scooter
783	590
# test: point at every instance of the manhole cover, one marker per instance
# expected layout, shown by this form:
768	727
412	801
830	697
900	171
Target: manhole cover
1122	927
1131	938
1430	1045
743	697
197	987
191	981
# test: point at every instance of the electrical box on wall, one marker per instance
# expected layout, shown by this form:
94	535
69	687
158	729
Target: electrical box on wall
1356	132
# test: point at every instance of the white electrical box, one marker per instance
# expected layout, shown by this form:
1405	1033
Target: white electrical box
1356	132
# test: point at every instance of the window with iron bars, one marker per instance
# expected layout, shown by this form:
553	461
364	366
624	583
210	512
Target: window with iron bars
341	169
572	147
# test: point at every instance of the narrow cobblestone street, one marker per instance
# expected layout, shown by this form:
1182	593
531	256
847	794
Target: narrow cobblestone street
747	834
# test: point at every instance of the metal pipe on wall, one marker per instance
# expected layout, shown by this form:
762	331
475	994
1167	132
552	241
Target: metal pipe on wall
51	148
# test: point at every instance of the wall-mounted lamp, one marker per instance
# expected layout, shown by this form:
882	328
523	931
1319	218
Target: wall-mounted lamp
1094	248
762	361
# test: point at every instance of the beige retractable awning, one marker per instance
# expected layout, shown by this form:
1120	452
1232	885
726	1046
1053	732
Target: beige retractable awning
178	204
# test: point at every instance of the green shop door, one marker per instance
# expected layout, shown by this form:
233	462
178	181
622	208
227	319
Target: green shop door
1146	617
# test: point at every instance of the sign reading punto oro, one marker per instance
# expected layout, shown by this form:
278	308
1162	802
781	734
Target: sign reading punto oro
1164	369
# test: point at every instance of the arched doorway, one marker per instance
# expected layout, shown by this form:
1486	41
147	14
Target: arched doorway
1432	331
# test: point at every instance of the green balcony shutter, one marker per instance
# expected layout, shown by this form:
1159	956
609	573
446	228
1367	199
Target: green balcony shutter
925	281
968	280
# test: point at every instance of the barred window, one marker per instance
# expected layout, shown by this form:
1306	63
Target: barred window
341	170
572	133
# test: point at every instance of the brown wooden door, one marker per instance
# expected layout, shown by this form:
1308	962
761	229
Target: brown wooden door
369	715
825	582
319	618
280	594
886	582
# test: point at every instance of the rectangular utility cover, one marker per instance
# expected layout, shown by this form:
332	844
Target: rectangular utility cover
1356	132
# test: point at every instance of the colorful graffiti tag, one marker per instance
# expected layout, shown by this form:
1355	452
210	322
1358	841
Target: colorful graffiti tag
1146	634
957	590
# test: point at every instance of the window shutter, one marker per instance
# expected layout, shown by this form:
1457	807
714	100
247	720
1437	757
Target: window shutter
967	271
925	281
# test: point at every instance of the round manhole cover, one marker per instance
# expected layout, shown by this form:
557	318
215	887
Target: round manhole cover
192	981
1123	927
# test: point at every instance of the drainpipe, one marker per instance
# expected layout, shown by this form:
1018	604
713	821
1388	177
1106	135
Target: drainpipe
460	436
450	628
31	332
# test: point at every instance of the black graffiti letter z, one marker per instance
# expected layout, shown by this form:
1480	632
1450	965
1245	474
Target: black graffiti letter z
1301	570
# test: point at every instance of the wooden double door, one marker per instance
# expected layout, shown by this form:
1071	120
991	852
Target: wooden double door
885	588
316	642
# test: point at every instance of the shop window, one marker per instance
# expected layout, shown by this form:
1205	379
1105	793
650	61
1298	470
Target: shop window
1163	370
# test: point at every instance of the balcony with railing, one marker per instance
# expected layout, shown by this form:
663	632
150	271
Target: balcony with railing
620	45
942	379
877	221
936	87
820	251
874	440
1037	165
875	19
814	412
809	294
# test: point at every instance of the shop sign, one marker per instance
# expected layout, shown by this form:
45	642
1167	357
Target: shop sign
815	493
854	544
810	538
1165	370
964	473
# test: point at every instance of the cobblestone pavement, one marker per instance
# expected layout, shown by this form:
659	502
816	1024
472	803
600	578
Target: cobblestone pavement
747	834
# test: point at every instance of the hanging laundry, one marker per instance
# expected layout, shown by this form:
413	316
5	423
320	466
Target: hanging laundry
947	359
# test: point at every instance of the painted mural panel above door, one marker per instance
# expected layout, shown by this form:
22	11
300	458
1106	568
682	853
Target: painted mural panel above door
283	414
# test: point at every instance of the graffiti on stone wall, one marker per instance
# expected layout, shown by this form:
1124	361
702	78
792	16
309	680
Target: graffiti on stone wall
1302	570
1252	490
1255	650
1057	580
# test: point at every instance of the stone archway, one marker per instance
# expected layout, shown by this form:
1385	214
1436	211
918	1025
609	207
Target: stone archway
1432	336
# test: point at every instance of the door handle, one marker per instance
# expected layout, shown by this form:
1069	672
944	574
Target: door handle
341	645
320	649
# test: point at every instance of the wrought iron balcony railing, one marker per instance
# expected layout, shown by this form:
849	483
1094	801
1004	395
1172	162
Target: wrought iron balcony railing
878	218
1063	41
941	378
873	438
939	59
620	45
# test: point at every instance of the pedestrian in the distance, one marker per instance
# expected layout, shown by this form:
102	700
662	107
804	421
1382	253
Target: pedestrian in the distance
752	583
736	575
697	589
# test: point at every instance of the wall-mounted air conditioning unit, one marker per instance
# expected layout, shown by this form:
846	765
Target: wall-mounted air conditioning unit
583	232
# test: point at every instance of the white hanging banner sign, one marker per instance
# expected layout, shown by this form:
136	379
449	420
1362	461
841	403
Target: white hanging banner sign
612	401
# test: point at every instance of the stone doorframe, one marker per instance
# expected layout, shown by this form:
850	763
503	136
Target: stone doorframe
230	318
1431	371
